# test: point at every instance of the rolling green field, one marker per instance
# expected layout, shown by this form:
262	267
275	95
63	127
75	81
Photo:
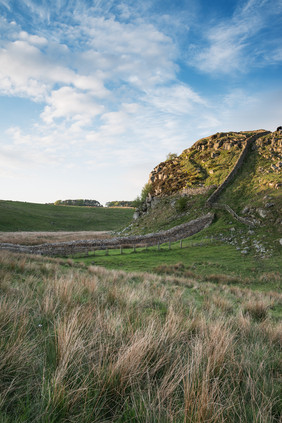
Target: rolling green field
21	216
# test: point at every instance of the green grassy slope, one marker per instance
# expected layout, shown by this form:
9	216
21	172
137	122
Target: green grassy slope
19	216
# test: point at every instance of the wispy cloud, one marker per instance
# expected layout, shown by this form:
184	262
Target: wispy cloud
101	74
174	99
112	86
5	3
231	45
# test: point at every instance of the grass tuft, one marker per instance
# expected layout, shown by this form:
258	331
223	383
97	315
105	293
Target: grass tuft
96	345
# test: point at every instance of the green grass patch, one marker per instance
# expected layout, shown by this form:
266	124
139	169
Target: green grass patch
209	260
20	216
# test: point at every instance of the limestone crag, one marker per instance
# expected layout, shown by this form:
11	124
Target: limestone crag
168	174
270	148
210	160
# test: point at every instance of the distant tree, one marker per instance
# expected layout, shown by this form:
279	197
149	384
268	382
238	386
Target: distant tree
80	202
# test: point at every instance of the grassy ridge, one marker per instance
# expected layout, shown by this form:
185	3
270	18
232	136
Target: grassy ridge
91	345
19	216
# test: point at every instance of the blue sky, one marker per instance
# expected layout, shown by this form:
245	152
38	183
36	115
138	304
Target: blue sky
94	94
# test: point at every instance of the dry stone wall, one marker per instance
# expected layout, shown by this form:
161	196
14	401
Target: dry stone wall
243	220
66	248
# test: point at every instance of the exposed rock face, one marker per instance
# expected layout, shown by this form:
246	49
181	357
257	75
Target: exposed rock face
210	160
168	174
270	147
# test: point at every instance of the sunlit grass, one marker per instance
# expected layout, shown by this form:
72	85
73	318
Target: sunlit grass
85	344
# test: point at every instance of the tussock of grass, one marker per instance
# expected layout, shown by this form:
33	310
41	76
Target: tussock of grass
179	269
258	310
94	345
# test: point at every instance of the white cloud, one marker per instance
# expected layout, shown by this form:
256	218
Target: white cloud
70	103
31	66
275	56
175	99
33	39
225	52
232	45
135	53
117	61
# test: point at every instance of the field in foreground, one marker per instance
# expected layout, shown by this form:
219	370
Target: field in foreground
20	216
86	344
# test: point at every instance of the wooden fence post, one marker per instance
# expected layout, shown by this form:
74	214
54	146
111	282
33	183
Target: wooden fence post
181	243
158	246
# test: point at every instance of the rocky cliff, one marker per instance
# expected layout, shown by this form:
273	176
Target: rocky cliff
238	174
210	160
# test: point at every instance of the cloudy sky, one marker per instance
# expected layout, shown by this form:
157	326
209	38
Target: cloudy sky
95	93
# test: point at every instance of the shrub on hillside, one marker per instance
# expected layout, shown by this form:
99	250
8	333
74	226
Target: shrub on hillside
146	190
181	204
171	156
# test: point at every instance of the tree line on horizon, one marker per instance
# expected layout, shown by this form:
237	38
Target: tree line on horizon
79	202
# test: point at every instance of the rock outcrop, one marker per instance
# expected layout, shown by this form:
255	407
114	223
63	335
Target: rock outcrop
210	160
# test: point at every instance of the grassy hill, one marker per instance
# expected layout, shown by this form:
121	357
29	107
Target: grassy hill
20	216
181	186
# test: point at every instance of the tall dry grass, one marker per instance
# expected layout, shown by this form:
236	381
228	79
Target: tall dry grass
92	345
34	238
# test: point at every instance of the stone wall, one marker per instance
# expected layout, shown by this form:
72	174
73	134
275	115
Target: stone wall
67	248
243	220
